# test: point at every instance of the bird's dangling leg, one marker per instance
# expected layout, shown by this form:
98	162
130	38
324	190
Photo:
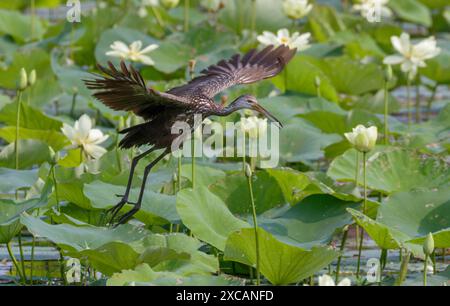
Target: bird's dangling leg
123	219
115	209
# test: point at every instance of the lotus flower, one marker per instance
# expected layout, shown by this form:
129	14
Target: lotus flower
362	138
410	56
301	42
132	52
83	136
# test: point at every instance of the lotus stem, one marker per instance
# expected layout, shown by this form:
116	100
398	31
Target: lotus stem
386	112
255	226
186	15
403	269
193	160
417	100
361	239
425	270
341	249
52	170
158	18
16	143
408	98
179	173
72	107
33	18
33	245
14	260
430	100
22	257
253	17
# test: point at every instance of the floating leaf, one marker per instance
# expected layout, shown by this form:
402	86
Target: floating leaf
281	263
207	216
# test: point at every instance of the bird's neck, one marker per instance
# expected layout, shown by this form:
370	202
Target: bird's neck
227	110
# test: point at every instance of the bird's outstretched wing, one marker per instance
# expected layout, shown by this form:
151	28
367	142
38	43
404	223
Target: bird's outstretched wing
125	89
252	67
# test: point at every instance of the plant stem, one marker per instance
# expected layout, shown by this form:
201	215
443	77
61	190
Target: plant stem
186	15
361	239
14	260
33	19
341	249
408	98
158	17
193	159
430	100
433	260
33	245
56	188
243	153
253	17
179	172
403	269
72	107
255	226
418	99
16	143
22	257
386	112
425	270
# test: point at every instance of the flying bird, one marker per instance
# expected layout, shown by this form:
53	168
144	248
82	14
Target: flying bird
125	89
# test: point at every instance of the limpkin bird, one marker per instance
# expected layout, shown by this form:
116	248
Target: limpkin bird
125	89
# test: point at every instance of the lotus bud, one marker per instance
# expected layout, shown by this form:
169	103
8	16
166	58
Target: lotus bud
248	170
54	156
362	138
388	73
175	177
23	83
32	77
428	245
121	124
317	81
169	4
191	66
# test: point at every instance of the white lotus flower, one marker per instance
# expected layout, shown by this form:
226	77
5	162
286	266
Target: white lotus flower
296	9
169	4
301	42
411	56
362	138
82	135
132	52
211	5
373	10
253	126
326	280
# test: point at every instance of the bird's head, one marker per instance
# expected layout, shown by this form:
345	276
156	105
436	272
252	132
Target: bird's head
250	102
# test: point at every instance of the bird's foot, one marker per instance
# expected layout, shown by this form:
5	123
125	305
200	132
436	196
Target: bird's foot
115	209
128	215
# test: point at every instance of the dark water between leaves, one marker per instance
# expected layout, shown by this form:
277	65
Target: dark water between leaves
47	264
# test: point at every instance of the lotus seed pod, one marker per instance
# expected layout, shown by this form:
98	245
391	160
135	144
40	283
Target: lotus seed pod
428	245
23	83
168	4
248	170
32	77
388	73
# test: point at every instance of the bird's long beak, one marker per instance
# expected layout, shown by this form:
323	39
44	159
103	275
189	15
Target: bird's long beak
266	113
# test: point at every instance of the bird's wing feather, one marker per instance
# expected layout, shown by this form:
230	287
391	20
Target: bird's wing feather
125	89
252	67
